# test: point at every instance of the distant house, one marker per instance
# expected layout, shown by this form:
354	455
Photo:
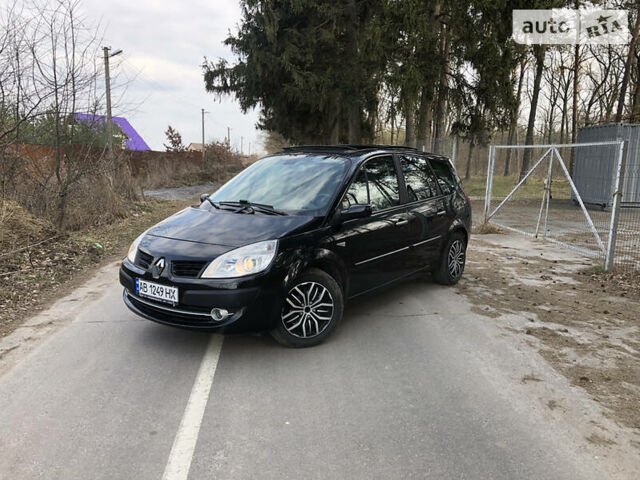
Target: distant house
132	140
194	147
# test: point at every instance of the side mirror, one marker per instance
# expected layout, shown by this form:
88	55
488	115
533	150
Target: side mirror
353	212
203	197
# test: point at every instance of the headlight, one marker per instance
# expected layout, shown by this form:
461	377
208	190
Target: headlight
134	247
243	261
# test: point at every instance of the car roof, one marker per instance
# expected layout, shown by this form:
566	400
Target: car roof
356	150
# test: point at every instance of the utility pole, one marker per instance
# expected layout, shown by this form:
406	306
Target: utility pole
229	138
241	145
203	144
107	81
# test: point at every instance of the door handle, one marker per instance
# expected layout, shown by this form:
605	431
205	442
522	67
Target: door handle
441	212
401	222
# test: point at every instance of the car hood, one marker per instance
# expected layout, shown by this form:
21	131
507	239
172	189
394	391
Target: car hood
222	227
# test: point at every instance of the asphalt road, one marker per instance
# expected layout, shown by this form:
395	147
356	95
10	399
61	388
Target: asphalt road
411	385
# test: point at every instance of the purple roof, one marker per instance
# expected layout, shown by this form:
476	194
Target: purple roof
134	140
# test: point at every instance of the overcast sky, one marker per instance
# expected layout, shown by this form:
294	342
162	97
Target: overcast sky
164	43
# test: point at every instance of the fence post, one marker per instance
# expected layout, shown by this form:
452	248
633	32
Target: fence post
545	199
617	194
487	198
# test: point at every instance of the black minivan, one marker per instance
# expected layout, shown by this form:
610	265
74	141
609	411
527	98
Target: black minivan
284	244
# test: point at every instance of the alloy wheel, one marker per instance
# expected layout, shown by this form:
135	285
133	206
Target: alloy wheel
456	258
308	310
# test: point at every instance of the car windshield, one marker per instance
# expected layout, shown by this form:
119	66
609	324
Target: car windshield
292	183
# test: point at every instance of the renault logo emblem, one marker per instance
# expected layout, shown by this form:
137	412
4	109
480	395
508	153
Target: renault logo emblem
158	267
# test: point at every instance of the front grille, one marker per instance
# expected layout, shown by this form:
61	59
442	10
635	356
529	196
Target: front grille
143	259
165	312
187	268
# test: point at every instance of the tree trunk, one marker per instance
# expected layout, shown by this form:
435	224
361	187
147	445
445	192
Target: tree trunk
467	173
513	126
410	123
334	125
539	53
424	118
627	69
635	107
439	117
574	107
353	105
354	124
563	119
393	123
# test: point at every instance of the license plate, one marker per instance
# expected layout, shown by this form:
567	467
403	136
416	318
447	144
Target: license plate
156	291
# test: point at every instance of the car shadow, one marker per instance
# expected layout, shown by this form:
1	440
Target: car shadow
362	313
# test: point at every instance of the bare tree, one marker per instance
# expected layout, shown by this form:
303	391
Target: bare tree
627	66
513	126
49	71
539	52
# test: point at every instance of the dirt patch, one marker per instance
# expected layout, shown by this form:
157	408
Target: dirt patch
596	439
625	284
530	378
586	325
36	272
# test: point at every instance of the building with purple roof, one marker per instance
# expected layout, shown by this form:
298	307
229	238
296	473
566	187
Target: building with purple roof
133	140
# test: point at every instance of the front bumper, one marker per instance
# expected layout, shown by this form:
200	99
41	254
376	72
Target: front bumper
252	307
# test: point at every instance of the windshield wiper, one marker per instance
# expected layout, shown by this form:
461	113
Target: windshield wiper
252	207
213	203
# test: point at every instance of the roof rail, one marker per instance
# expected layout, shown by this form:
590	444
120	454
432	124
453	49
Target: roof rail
348	147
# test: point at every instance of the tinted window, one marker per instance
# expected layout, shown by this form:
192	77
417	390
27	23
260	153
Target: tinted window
383	183
376	183
446	178
421	184
357	193
295	183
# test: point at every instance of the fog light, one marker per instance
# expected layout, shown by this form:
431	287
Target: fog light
219	314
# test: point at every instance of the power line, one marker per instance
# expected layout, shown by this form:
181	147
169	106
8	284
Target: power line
163	89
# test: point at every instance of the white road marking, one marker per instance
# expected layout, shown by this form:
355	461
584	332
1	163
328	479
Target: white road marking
184	443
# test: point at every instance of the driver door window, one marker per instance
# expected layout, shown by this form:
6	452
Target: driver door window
375	184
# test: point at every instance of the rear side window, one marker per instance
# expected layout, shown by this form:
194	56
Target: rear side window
421	184
446	179
376	184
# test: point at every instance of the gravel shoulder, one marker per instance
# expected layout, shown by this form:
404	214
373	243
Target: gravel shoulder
180	193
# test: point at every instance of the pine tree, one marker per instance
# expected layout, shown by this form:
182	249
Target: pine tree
174	140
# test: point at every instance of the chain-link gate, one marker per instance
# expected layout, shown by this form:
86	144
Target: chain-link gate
548	204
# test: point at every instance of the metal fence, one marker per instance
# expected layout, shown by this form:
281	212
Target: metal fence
585	212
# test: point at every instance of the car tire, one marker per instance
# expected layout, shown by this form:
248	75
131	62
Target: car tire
452	261
311	311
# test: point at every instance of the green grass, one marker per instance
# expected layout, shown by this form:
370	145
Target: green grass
596	269
533	188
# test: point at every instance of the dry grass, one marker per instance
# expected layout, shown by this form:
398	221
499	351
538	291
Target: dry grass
34	273
19	227
39	254
167	174
485	229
